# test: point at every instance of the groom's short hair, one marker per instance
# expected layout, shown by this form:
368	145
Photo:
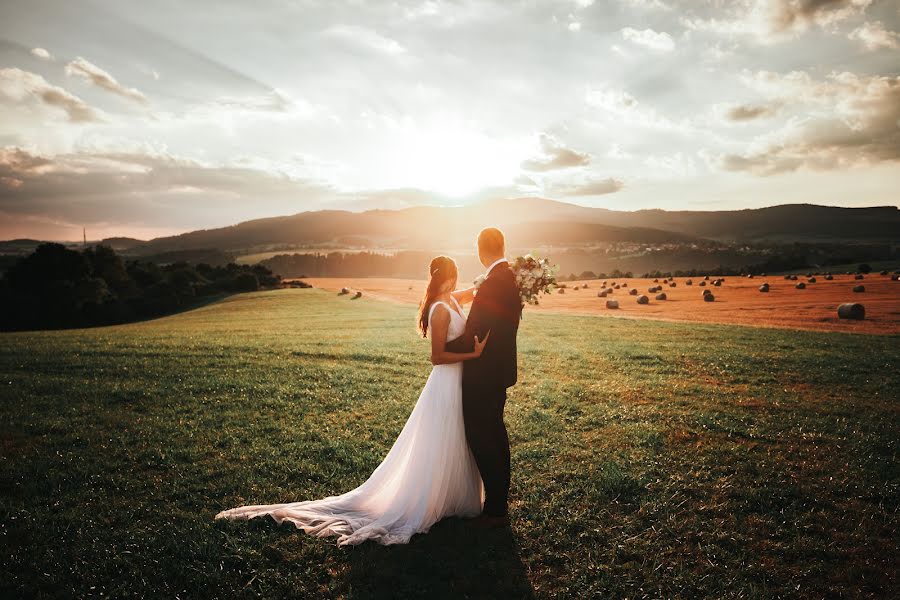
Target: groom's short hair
491	242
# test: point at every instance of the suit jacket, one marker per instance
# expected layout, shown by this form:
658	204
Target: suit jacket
497	308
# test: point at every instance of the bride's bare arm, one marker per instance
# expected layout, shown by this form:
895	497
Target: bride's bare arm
440	323
464	296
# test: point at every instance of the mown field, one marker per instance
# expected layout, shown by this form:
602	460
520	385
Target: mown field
650	459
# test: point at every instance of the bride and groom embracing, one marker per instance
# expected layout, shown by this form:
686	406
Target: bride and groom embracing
452	456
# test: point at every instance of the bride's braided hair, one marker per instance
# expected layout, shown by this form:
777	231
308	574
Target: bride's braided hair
441	270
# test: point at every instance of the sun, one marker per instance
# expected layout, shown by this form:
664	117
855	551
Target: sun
450	161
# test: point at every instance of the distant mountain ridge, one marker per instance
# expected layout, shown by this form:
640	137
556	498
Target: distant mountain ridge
531	222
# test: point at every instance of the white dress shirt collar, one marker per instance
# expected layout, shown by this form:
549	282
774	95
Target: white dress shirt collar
494	264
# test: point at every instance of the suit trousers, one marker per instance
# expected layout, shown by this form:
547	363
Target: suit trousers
486	434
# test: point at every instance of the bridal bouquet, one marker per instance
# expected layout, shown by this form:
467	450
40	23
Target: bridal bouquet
534	276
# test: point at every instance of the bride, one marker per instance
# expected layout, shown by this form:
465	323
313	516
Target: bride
429	473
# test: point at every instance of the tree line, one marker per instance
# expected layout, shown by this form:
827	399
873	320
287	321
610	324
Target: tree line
55	287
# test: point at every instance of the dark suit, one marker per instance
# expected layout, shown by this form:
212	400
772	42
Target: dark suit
497	308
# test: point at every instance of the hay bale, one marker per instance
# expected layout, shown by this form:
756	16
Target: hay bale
344	291
811	280
852	310
829	277
661	296
601	294
643	299
787	277
706	278
561	290
633	292
717	283
884	272
357	295
859	276
689	282
709	298
702	284
673	284
651	289
859	288
895	277
764	287
656	281
706	293
749	275
612	304
575	289
800	286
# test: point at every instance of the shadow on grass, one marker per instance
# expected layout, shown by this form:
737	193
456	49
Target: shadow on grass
453	560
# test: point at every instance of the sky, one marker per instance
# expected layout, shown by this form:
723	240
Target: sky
151	118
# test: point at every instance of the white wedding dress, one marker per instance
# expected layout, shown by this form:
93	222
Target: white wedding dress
428	474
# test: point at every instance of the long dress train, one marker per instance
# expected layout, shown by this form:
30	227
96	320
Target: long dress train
428	474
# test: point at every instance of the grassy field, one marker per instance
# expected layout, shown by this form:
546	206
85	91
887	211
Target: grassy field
650	459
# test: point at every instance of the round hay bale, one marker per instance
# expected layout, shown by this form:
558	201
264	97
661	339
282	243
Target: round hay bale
709	298
561	290
800	286
859	288
706	278
787	277
717	283
661	296
673	284
656	281
852	310
895	277
702	284
793	278
884	272
575	289
633	292
584	286
357	295
689	282
811	280
612	304
764	287
859	276
706	293
617	286
749	275
651	289
601	294
344	291
829	278
642	299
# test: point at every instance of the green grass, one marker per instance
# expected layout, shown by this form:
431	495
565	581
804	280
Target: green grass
650	459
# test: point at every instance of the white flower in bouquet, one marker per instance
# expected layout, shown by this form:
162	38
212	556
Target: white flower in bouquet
534	277
478	281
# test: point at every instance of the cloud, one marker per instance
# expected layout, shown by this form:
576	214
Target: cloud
555	156
26	88
591	187
94	74
750	112
798	15
659	41
145	188
874	36
41	53
366	38
771	21
846	120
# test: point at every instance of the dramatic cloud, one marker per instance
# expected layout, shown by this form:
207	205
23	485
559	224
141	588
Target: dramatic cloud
591	187
874	36
91	72
41	53
799	14
659	41
749	112
555	156
129	187
848	120
20	87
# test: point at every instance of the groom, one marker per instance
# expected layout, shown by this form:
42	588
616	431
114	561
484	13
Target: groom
496	309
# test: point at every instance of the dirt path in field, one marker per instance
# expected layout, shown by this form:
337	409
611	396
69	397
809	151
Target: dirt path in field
738	300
